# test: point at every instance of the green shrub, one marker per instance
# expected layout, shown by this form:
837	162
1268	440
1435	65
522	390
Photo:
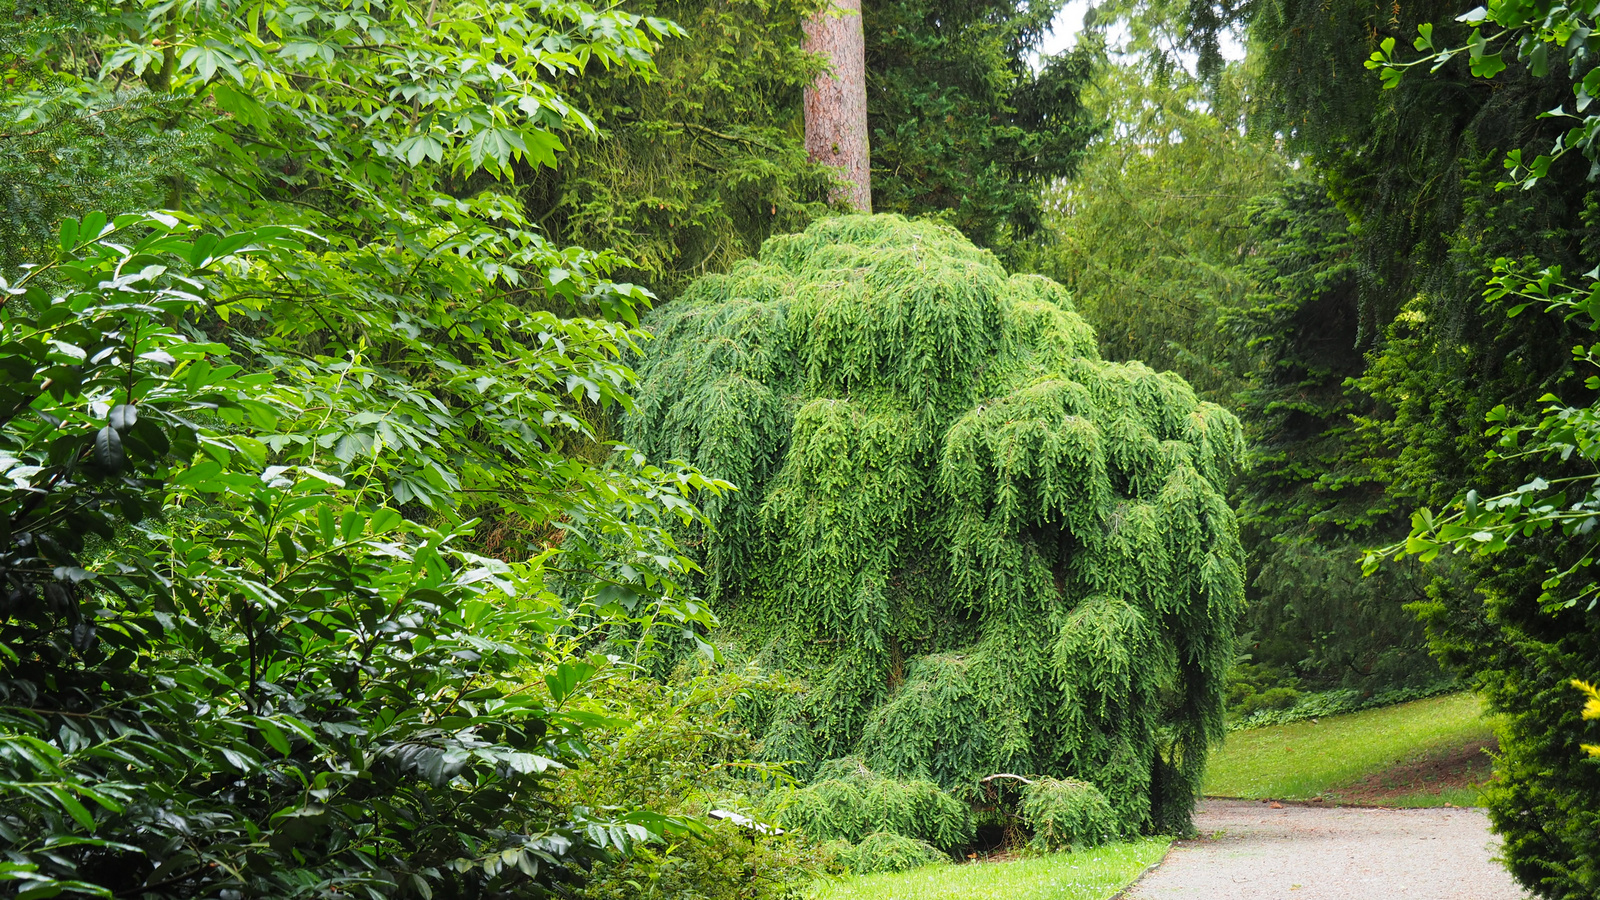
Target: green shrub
1246	678
1066	813
849	801
1544	801
885	851
1313	705
727	862
679	747
278	682
1271	698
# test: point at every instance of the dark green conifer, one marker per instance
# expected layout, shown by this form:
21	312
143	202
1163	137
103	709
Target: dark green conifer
981	547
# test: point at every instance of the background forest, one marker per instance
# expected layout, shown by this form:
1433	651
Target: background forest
374	514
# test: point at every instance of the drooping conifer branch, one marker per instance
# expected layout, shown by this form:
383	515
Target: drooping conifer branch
984	548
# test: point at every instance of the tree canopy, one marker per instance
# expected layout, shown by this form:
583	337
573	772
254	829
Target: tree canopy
321	570
964	126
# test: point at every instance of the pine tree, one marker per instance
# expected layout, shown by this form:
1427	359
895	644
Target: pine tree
1311	499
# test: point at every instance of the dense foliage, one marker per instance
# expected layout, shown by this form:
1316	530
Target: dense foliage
192	706
1067	813
889	852
306	548
1152	235
966	123
982	548
318	566
1312	499
1242	277
117	155
676	746
849	802
695	163
1417	171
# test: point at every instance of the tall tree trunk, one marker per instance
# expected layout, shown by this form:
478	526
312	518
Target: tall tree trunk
836	105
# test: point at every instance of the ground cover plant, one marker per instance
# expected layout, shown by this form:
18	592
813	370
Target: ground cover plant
1295	706
1344	758
978	547
1094	874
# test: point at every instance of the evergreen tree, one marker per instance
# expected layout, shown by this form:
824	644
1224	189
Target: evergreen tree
963	126
1417	171
1309	503
1412	171
119	150
692	168
982	548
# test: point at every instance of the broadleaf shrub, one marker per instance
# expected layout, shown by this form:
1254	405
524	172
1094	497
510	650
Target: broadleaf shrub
676	746
309	528
226	670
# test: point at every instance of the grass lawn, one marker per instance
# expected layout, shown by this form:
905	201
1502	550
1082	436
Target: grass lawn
1423	753
1081	875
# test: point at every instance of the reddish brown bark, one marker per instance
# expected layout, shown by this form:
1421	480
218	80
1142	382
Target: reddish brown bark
836	105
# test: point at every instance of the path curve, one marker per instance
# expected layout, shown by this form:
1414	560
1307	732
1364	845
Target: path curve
1249	851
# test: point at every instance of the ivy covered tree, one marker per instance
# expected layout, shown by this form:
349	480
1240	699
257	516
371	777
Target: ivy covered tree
982	547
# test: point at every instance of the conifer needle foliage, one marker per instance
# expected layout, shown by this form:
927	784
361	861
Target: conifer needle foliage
981	547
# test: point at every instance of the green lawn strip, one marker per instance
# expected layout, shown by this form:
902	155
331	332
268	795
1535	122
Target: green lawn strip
1305	759
1080	875
1451	796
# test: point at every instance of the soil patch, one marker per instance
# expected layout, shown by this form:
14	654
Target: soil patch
1462	766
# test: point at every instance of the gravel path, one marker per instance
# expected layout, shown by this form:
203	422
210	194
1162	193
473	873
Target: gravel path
1249	851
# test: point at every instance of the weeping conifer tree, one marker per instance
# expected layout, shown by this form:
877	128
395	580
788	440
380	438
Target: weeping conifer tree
980	547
